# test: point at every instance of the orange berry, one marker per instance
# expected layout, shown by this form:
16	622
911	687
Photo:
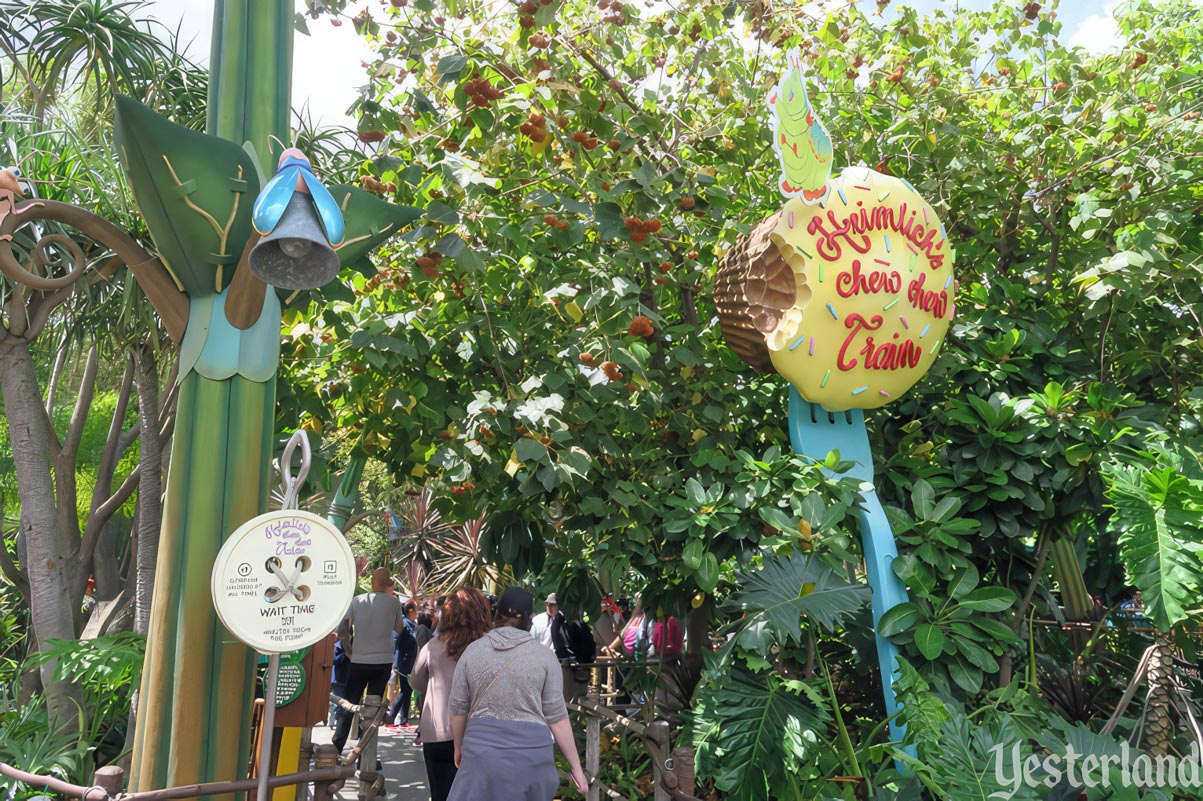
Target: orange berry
641	327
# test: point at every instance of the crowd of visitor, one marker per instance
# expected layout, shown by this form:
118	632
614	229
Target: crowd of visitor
483	676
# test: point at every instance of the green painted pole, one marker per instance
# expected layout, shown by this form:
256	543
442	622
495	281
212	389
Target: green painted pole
348	491
197	691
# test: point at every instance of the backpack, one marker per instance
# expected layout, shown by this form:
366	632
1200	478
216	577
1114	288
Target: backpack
581	642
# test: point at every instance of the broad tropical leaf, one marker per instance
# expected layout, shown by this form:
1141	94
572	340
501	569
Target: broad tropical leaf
1160	515
755	734
370	221
194	190
785	588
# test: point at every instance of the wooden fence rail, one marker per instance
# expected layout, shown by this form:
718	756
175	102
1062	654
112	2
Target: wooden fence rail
329	773
672	769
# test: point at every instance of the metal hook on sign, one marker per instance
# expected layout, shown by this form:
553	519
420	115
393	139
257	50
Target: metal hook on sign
290	486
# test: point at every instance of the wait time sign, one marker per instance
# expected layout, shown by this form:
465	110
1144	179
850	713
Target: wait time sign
283	581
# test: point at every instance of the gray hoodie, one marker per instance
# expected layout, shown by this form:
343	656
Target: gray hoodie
506	675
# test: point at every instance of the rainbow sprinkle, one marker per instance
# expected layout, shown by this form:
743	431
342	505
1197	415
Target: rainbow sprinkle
911	248
804	253
799	342
812	346
826	376
883	196
843	197
882	261
820	272
936	347
861	186
859	391
887	238
831	309
925	216
791	219
883	393
905	324
926	328
889	305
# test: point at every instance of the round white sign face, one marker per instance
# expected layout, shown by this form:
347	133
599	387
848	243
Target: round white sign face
283	581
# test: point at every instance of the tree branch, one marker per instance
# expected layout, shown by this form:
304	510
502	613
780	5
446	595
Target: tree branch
106	510
60	360
83	404
112	443
12	572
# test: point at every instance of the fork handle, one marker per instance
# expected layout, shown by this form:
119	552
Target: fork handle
877	540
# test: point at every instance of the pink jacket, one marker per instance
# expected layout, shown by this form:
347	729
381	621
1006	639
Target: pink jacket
431	677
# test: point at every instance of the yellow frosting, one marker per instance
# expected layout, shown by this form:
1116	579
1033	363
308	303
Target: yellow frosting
873	271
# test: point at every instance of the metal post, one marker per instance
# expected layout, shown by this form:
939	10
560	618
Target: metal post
265	731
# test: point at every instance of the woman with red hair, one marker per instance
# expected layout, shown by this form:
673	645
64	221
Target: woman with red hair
466	618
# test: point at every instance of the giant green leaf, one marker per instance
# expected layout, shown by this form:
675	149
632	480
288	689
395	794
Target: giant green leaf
776	596
753	732
370	221
1160	514
195	192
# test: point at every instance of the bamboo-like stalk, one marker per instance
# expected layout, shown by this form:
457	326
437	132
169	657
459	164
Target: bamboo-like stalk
197	688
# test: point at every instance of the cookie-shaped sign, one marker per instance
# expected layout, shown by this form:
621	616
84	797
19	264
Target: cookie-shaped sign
873	292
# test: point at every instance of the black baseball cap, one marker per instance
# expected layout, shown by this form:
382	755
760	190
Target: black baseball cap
515	602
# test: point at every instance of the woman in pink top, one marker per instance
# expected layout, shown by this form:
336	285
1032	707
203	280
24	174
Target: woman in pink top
466	618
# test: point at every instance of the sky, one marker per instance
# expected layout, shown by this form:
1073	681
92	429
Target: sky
328	71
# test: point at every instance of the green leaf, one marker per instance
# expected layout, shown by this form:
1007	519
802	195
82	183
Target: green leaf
774	599
370	221
707	572
898	619
1159	512
753	731
923	500
195	192
691	556
450	67
530	450
929	639
440	212
988	599
963	581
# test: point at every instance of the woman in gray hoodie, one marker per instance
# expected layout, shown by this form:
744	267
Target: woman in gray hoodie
507	707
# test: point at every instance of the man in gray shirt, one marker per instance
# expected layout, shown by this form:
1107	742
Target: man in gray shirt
367	637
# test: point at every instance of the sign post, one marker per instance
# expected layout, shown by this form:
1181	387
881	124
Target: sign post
282	582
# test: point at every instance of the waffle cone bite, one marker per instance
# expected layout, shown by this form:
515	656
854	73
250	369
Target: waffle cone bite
849	300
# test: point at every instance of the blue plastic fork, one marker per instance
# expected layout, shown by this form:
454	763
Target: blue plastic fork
814	432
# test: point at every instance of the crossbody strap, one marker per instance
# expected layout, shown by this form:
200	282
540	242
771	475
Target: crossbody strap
477	697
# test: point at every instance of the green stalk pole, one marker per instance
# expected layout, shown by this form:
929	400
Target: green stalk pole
197	689
348	490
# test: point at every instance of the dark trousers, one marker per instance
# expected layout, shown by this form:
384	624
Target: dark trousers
373	678
401	702
440	767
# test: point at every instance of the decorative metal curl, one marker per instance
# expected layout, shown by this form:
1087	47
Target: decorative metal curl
156	281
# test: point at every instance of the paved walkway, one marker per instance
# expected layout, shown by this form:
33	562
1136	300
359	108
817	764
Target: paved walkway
404	771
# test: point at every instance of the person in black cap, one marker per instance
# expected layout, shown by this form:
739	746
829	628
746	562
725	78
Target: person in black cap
507	707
